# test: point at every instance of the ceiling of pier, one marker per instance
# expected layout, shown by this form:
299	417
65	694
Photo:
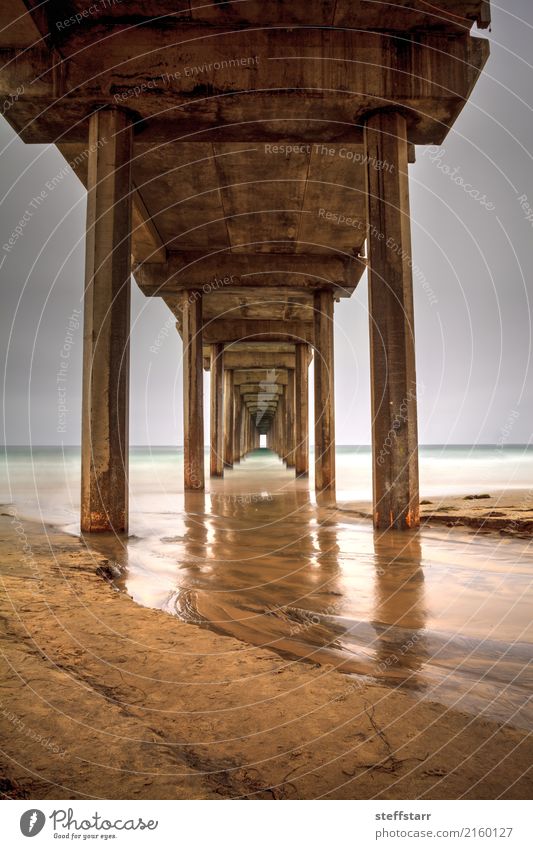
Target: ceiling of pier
247	130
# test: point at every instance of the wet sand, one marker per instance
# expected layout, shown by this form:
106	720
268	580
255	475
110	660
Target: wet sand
105	698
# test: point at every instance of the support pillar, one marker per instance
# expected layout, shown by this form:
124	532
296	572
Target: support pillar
301	377
229	419
216	459
237	423
291	415
105	436
193	392
324	395
392	347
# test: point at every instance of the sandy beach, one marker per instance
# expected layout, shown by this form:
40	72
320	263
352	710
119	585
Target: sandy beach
507	513
104	698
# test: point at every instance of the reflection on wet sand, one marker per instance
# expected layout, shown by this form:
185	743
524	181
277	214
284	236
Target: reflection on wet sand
273	569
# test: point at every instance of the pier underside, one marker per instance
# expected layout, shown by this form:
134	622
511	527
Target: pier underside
247	162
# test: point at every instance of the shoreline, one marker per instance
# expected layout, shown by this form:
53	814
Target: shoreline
141	705
505	512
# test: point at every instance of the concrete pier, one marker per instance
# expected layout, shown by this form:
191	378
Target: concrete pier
249	212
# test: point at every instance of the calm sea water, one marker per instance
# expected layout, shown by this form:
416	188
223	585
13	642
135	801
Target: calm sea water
46	480
443	613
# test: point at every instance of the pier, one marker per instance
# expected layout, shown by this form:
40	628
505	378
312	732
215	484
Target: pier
247	163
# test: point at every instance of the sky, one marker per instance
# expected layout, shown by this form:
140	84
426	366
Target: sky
473	329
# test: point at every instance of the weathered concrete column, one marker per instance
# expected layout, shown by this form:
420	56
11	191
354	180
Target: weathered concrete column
237	414
216	459
193	392
301	378
282	425
291	416
104	439
229	419
242	431
392	346
324	394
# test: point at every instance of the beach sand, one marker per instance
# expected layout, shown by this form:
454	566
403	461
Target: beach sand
103	698
508	513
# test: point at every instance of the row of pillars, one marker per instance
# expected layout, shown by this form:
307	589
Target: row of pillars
104	497
233	432
236	427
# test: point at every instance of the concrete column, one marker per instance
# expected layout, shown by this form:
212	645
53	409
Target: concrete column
229	419
193	398
301	459
242	436
392	346
216	463
324	394
282	426
237	407
105	437
291	416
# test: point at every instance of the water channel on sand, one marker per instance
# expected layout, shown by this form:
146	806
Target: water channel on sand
445	614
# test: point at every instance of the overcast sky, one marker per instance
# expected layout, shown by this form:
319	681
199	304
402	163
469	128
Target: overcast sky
473	335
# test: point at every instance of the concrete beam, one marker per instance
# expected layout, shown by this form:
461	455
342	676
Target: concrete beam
237	330
273	377
225	271
270	389
63	90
